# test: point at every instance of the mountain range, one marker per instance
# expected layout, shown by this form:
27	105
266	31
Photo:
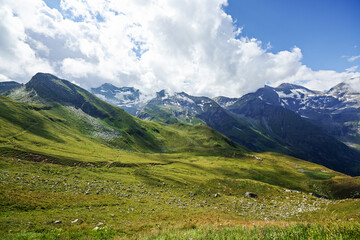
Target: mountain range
289	119
6	86
74	166
67	105
322	127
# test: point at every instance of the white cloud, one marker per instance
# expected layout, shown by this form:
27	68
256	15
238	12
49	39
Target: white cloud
355	84
352	69
17	58
78	68
353	58
4	78
185	45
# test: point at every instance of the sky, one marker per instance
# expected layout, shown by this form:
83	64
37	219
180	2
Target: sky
327	31
202	47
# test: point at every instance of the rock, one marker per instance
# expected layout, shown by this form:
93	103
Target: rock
75	221
58	221
100	223
217	195
320	196
251	195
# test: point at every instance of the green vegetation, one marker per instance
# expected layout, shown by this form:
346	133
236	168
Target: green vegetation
299	231
66	174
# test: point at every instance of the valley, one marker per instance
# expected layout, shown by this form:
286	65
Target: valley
75	167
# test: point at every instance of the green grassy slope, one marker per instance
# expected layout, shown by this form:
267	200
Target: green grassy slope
51	171
202	110
140	194
54	128
59	164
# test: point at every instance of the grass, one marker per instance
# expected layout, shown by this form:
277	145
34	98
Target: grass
298	231
54	168
136	201
264	231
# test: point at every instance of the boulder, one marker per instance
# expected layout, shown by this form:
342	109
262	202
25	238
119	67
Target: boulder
251	195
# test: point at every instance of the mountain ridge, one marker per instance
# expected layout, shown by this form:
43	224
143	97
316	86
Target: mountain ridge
92	116
258	121
248	125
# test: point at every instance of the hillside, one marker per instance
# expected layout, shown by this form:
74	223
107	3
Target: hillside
68	172
258	121
184	108
75	108
6	86
300	136
57	182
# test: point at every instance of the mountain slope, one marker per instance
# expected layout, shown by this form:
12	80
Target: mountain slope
301	138
92	117
184	108
69	185
258	121
6	86
336	111
128	98
37	134
67	172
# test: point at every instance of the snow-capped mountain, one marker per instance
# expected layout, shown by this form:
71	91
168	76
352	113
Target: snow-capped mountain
176	107
225	101
128	98
307	102
289	119
336	111
181	107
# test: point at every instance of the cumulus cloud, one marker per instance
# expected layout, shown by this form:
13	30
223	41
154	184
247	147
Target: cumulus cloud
354	84
17	57
184	45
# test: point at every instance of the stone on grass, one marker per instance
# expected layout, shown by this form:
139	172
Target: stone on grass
251	195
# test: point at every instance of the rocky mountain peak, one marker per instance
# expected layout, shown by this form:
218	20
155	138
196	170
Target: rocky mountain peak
8	85
348	87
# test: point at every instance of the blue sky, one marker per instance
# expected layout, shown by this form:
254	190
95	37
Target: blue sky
325	30
182	45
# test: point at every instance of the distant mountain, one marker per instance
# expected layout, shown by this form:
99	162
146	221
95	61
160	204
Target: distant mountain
267	120
299	135
175	108
336	111
289	119
225	101
80	112
6	86
128	98
184	108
